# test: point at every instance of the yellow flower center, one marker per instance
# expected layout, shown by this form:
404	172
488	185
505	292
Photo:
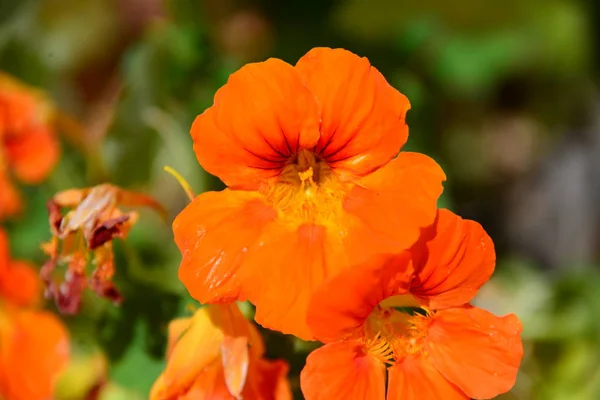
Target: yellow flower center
396	329
306	191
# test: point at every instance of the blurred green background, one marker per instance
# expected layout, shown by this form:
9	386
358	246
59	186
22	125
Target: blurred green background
504	95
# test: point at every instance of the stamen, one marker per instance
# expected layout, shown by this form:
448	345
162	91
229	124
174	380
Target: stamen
306	191
380	348
307	175
184	184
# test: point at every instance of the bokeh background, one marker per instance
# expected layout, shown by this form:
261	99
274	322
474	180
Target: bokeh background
504	95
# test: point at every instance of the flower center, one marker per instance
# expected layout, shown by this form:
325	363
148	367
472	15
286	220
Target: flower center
306	191
396	329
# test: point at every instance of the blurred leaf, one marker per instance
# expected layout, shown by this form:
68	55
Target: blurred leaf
379	19
113	391
72	32
470	65
86	370
136	370
563	32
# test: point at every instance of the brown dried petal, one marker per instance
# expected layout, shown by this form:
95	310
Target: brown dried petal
106	289
68	297
106	231
54	216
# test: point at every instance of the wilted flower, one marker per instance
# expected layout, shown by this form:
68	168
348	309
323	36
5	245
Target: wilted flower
218	354
28	145
83	236
409	314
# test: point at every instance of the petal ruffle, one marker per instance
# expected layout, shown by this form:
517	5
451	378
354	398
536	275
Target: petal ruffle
259	119
362	117
397	200
214	234
452	260
340	307
342	371
415	378
477	351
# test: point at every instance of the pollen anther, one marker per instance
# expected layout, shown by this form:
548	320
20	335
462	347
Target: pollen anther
380	348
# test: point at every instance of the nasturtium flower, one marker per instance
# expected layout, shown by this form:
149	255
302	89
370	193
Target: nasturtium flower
83	235
218	354
34	346
409	314
316	181
29	147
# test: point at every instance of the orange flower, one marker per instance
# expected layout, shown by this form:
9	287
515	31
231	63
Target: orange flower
218	354
376	317
88	228
310	155
19	284
34	344
28	145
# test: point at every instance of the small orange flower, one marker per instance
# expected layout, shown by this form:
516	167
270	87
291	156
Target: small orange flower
28	145
84	235
34	346
218	354
311	156
376	316
19	285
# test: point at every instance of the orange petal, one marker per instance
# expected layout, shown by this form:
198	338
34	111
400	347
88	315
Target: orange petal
257	346
415	378
21	106
198	348
477	351
229	319
396	200
362	117
283	270
209	385
235	358
340	307
10	198
267	380
19	284
33	155
214	233
177	328
34	351
239	252
453	259
259	119
342	371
